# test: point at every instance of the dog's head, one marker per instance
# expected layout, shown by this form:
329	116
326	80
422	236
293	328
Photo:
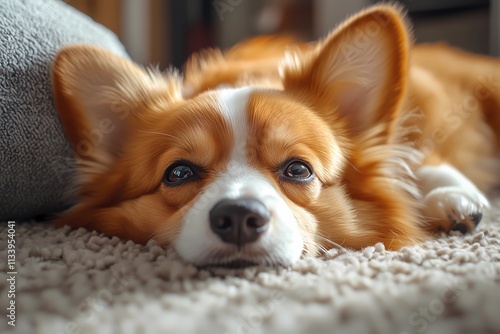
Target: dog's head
246	175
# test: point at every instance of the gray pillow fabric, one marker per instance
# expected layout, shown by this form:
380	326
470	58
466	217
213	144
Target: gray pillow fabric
36	161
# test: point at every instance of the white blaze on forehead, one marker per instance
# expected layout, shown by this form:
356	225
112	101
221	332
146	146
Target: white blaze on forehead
232	103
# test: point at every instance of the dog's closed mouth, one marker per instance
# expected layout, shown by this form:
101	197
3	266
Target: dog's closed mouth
234	264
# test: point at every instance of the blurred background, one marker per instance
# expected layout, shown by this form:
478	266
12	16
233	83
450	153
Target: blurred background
165	32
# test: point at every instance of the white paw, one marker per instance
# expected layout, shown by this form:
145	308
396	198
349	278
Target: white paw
454	208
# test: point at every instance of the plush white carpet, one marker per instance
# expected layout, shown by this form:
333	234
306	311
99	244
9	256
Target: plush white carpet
81	282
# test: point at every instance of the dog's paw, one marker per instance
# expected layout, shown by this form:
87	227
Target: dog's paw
454	209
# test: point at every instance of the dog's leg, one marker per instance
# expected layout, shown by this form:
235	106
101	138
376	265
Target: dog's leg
451	202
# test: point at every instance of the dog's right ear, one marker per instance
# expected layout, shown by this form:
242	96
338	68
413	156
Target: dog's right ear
100	96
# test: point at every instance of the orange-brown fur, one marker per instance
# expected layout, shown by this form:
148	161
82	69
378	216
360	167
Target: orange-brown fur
459	94
354	202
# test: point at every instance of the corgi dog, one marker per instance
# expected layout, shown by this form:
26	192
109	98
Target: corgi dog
277	149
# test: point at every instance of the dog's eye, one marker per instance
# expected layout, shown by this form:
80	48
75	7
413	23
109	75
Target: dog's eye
179	173
298	170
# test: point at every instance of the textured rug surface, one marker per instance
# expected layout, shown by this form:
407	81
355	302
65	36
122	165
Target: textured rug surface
75	281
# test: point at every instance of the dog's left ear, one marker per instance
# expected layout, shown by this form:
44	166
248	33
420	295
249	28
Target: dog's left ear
359	70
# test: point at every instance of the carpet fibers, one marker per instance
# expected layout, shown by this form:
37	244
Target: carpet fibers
75	281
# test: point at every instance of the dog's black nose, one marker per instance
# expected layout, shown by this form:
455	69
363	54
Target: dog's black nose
239	221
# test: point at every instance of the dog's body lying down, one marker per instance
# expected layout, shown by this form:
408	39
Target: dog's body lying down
276	149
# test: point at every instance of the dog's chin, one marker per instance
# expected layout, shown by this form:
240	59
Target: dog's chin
238	259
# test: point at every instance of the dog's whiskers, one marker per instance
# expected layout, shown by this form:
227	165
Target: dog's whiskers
152	235
159	235
329	241
322	248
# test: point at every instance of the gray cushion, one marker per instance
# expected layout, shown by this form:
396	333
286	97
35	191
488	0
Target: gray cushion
35	158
